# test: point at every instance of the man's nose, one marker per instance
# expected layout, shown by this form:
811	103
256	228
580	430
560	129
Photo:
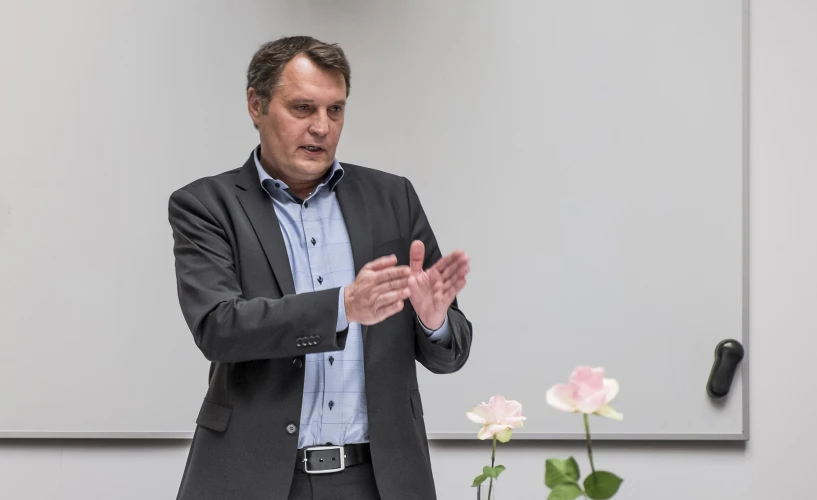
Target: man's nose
320	124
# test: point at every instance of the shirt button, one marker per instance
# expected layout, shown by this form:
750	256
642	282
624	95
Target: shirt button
306	204
320	280
314	241
291	429
331	405
297	363
331	360
277	185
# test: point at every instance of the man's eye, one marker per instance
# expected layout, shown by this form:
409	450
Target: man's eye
302	107
337	109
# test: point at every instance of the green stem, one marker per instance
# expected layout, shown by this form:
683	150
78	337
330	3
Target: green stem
493	457
589	448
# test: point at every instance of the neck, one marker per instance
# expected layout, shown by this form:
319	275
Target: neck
302	192
301	188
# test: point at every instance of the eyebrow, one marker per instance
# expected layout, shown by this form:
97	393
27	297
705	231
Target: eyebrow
312	101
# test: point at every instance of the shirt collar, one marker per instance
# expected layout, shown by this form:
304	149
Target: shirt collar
333	175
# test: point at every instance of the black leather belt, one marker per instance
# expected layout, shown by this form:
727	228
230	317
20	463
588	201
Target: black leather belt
327	459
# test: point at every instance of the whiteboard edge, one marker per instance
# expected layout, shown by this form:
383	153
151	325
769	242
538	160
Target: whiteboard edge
566	436
746	218
96	434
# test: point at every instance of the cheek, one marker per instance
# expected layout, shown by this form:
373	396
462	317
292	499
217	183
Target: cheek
336	130
287	133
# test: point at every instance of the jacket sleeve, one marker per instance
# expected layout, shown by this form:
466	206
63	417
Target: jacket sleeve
226	326
437	357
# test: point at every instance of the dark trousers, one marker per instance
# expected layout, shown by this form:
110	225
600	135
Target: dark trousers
352	483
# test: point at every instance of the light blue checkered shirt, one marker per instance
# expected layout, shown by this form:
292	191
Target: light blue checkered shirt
320	257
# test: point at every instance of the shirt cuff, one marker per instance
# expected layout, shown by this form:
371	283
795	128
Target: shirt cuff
342	323
441	335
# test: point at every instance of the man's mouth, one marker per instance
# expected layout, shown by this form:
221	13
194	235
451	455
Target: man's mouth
312	149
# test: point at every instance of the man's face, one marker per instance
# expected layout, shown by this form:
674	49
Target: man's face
301	129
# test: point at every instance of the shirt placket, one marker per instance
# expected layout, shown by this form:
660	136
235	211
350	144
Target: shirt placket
331	365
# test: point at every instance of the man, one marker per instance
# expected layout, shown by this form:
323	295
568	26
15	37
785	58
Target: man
312	286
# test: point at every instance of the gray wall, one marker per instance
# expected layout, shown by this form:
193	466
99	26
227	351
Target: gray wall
776	463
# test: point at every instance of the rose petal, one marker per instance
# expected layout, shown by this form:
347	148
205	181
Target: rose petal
498	406
560	397
515	422
608	412
483	433
512	408
496	428
610	389
587	381
479	414
590	403
489	430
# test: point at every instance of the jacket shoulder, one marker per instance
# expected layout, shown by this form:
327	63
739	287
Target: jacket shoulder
373	177
208	187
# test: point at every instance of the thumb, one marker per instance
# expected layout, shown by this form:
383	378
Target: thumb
417	255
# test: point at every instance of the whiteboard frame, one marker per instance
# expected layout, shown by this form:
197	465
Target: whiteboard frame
743	435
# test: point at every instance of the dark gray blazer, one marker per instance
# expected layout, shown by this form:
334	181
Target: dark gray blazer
237	295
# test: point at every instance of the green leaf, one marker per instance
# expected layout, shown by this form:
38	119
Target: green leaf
479	479
493	472
561	472
565	492
602	485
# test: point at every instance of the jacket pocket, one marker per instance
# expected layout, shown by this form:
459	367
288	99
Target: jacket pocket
416	404
214	416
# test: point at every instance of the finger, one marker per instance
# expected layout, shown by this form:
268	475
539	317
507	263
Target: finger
451	259
390	310
454	271
393	296
452	275
448	296
454	287
386	302
391	274
381	263
396	284
417	256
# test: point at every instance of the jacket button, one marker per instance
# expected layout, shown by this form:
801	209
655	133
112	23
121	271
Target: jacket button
297	363
291	429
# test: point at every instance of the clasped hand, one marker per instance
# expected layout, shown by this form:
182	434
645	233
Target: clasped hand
381	288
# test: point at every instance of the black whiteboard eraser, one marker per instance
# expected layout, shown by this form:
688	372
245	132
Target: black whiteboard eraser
728	355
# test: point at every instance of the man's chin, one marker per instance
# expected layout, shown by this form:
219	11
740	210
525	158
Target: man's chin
323	160
316	166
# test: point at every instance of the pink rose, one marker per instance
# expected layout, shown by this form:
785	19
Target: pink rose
587	391
498	417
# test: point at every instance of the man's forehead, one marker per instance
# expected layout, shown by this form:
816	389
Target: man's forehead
304	78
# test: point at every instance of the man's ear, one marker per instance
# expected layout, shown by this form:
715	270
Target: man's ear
254	106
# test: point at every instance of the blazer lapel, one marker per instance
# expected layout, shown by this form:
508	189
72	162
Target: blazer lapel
353	206
259	210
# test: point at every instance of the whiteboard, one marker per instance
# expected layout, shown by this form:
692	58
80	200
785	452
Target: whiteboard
589	156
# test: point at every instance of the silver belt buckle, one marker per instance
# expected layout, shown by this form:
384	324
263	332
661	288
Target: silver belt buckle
319	448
